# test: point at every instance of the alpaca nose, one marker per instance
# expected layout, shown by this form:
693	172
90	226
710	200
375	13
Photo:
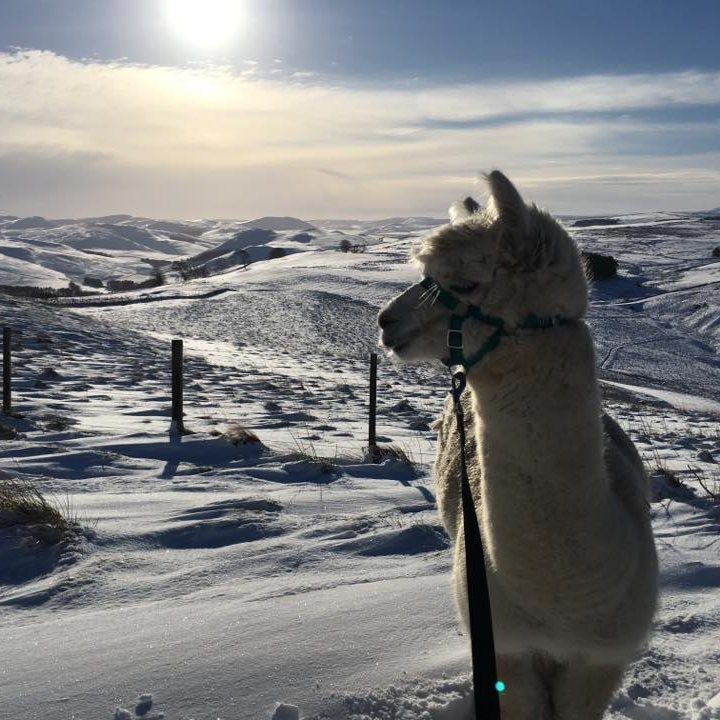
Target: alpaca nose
384	319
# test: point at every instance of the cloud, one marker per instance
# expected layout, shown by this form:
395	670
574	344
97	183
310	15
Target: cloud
595	93
204	141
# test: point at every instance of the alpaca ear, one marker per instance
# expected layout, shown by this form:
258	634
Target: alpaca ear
506	200
471	205
460	211
519	245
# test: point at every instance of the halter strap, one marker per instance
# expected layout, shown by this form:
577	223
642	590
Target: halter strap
460	312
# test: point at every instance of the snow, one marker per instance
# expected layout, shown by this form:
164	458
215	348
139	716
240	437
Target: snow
677	400
53	253
290	578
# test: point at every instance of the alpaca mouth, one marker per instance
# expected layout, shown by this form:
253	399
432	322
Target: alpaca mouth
395	345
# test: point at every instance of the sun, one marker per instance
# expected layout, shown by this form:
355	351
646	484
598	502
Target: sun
208	23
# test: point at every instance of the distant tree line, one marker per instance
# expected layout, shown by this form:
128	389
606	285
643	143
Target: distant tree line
189	271
346	246
44	293
75	290
186	271
156	279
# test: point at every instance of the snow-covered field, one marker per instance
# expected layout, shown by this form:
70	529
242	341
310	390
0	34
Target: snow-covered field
213	580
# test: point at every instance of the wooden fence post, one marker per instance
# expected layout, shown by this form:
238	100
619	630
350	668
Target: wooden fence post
7	369
372	439
177	385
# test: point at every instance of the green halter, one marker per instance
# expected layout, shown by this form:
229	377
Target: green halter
462	311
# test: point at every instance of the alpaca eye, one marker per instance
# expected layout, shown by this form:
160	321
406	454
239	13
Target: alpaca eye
464	288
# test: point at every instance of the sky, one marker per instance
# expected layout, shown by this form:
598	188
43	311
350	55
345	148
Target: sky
372	108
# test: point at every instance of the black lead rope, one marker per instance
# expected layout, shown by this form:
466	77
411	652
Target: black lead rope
487	687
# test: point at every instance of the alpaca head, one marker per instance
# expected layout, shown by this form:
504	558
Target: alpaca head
510	259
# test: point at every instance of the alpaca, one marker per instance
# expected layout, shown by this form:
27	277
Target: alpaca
560	491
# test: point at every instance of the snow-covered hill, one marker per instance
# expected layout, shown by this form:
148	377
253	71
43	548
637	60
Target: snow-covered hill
38	252
52	253
221	579
280	223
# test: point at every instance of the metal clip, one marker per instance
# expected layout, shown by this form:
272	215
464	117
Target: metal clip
459	381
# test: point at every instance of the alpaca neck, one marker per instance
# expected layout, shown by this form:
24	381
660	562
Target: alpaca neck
546	498
544	413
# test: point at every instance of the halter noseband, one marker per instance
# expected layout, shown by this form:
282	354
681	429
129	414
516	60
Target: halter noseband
462	311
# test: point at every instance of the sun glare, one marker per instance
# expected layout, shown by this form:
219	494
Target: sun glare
207	23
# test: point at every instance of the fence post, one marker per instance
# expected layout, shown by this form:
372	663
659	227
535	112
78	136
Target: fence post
177	385
7	368
372	439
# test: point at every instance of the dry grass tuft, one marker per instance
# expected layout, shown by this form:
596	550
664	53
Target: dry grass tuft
307	452
7	432
670	475
327	466
22	503
238	434
710	485
378	453
58	423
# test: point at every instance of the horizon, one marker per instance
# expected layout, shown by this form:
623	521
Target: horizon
176	109
247	220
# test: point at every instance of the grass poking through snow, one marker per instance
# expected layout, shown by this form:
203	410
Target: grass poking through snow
7	432
22	503
378	453
238	434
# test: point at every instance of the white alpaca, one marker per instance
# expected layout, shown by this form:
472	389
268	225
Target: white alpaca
560	491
